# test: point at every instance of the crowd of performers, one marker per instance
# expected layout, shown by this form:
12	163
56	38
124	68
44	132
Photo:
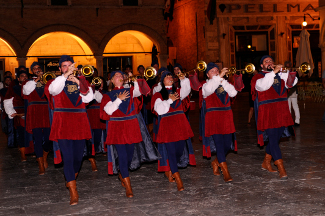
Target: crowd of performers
139	121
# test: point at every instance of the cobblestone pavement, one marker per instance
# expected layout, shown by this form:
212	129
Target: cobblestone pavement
253	191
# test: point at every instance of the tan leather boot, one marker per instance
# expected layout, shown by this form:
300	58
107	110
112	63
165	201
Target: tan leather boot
266	165
73	192
93	164
169	175
128	188
22	154
46	165
282	171
41	165
178	180
226	176
121	179
215	167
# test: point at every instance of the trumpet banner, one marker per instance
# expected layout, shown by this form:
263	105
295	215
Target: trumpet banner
238	82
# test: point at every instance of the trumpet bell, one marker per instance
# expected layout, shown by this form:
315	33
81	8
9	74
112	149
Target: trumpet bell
250	68
150	73
201	65
305	67
48	76
96	81
87	70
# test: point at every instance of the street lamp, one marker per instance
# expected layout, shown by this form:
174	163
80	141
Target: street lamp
304	23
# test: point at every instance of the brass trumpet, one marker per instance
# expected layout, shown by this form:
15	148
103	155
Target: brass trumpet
96	81
48	76
129	79
150	73
304	68
200	66
86	70
249	68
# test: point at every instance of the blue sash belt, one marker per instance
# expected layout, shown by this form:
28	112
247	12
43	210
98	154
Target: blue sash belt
219	109
37	103
94	107
69	110
173	113
272	101
19	107
122	118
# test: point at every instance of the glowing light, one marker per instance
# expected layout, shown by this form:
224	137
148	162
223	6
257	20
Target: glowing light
249	46
304	23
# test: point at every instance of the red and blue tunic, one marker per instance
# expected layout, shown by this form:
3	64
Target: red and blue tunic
216	117
37	115
122	125
70	120
271	106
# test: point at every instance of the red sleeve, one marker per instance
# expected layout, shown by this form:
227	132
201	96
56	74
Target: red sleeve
200	95
253	83
103	114
138	103
10	92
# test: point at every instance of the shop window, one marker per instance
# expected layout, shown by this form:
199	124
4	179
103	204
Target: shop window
251	42
130	2
50	65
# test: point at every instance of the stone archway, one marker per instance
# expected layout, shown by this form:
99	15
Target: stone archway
154	36
60	28
11	40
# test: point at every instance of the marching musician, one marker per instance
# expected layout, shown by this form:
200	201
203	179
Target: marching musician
123	131
173	126
14	107
70	126
269	92
217	118
37	116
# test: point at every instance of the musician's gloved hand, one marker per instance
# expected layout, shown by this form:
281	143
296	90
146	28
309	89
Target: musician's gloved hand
84	85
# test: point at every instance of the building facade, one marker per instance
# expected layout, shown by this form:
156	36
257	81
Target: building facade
93	32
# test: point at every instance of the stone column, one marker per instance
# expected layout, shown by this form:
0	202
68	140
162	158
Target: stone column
21	61
99	65
163	60
281	37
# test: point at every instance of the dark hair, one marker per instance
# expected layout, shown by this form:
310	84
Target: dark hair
164	93
128	66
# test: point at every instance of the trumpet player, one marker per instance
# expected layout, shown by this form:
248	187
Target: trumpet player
14	107
269	92
70	126
217	124
37	116
173	128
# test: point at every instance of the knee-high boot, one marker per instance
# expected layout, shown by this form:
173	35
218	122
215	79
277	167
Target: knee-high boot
215	167
93	164
40	161
128	188
226	176
22	154
266	165
282	171
73	192
169	175
179	181
46	165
